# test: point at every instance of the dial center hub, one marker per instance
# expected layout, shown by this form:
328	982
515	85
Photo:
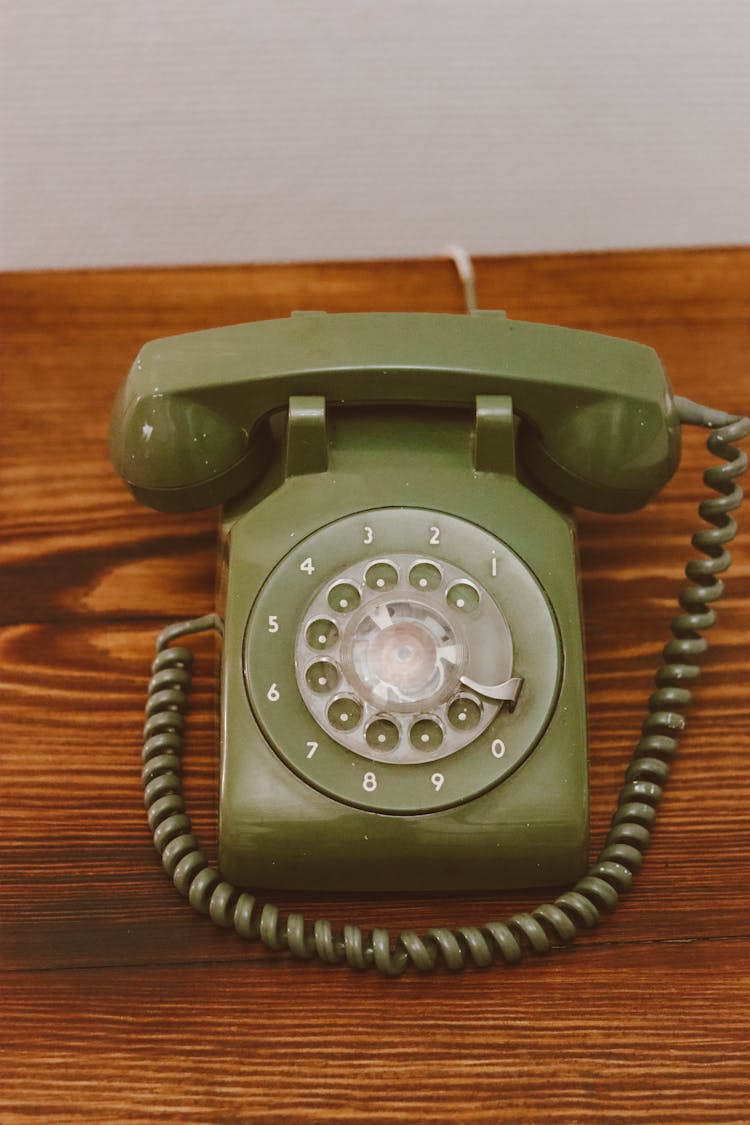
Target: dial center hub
402	653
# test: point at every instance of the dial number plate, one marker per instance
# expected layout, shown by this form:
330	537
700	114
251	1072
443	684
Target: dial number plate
376	617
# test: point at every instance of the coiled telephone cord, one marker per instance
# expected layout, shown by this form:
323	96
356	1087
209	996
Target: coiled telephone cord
555	922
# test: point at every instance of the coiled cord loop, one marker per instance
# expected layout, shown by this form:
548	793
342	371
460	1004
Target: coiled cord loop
548	925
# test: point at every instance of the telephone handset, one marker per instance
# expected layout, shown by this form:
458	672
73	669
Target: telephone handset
403	698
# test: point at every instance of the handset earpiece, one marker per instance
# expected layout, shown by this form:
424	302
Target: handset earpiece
608	455
180	454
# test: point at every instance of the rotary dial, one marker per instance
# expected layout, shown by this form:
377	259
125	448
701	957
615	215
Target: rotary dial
390	654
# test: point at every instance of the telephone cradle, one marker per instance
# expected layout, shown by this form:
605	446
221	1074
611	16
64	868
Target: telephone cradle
402	678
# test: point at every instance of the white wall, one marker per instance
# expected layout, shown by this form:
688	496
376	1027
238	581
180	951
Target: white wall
164	131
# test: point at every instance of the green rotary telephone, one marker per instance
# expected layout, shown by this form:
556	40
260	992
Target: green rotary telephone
403	693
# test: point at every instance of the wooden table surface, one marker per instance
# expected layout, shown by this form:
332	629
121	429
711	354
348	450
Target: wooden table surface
121	1004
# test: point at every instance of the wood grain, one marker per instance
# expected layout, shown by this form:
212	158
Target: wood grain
274	1042
120	1004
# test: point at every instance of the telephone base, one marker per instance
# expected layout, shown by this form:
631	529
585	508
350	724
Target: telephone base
323	787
